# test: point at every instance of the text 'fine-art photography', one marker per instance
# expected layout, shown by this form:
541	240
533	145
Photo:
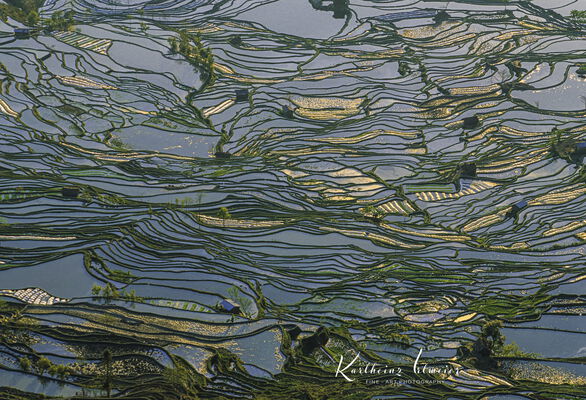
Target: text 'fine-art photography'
292	199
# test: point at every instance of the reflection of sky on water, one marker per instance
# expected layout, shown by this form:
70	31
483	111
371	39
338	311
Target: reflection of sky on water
376	121
298	18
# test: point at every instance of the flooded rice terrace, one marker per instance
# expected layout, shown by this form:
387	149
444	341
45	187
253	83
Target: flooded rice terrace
294	199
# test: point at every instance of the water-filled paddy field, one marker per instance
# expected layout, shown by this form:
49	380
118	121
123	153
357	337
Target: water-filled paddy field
398	183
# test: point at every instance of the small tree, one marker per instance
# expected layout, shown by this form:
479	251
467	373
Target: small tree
174	44
133	297
183	43
489	343
96	289
53	370
224	213
43	364
25	363
63	371
110	291
32	18
107	359
491	336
